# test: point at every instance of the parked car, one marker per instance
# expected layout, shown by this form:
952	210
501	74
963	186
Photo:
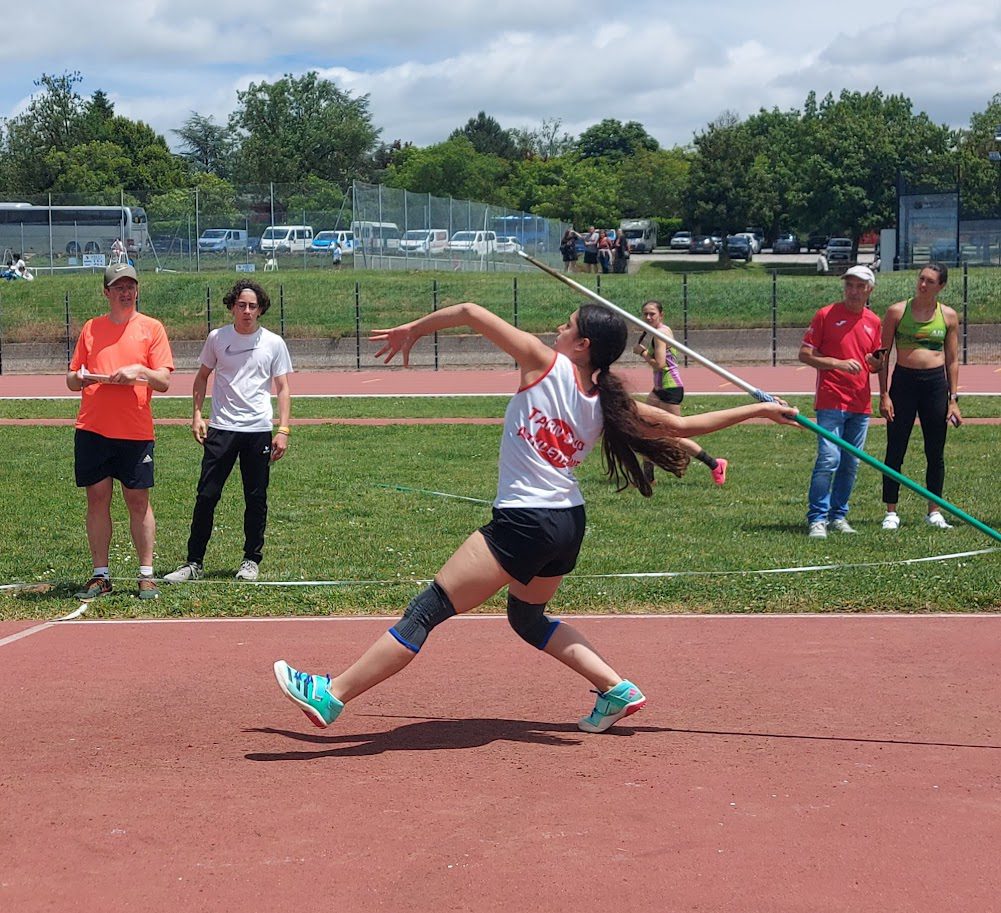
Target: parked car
473	242
738	247
816	241
323	241
943	249
839	250
222	240
702	244
507	244
288	239
752	239
759	234
786	243
681	240
424	241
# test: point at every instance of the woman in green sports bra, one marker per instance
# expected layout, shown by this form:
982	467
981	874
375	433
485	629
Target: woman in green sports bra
925	384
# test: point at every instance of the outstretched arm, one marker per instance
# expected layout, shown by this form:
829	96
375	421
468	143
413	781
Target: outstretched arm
708	422
527	350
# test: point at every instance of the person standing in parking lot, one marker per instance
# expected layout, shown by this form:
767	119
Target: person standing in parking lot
842	344
591	250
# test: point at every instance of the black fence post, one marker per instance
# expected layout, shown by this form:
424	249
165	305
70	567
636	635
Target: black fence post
966	302
357	326
66	309
281	309
208	309
775	316
684	312
434	307
515	293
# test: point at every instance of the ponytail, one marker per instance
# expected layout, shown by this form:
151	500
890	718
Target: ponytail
627	433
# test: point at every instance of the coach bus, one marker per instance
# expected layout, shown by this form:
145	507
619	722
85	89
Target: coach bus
71	230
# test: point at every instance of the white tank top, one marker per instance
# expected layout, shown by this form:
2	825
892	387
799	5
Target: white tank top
549	428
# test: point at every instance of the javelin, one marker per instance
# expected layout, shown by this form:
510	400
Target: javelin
763	397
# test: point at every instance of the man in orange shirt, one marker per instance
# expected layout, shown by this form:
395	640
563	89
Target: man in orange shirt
120	358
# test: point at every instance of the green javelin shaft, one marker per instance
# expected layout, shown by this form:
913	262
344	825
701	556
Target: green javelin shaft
761	396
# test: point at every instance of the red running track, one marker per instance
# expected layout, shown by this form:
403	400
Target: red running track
782	379
819	763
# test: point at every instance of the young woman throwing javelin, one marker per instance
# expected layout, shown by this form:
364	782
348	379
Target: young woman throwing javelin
566	401
668	390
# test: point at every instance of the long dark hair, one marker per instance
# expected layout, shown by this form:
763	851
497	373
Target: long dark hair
626	432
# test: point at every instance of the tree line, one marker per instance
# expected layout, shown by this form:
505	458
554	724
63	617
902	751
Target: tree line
834	166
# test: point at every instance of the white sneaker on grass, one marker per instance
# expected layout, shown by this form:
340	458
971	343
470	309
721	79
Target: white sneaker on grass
891	521
817	529
191	570
841	525
248	570
936	519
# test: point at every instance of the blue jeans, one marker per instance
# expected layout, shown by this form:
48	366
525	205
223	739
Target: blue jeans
834	472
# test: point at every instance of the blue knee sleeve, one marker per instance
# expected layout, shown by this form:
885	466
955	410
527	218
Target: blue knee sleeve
426	610
530	622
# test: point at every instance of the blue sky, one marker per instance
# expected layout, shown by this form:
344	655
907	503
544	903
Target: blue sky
430	66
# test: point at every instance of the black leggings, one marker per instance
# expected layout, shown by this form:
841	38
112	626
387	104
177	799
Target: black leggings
923	393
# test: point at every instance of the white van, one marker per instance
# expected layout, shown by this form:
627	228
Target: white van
222	240
424	241
480	243
286	239
376	236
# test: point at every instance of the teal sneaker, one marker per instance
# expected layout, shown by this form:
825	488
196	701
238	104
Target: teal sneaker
309	693
622	700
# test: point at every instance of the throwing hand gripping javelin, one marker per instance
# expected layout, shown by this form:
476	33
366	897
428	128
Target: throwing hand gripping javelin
761	396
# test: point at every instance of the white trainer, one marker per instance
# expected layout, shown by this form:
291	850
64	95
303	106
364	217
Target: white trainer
817	529
190	571
891	521
248	570
841	525
936	519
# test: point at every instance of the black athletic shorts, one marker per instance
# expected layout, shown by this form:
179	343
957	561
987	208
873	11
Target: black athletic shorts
590	256
670	395
96	457
531	542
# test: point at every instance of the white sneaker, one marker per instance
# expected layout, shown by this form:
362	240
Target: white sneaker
817	529
841	525
936	519
190	571
891	521
248	570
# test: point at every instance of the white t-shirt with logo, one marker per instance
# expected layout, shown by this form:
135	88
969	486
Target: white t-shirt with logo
549	428
244	366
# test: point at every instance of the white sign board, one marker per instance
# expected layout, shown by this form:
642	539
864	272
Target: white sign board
94	260
246	267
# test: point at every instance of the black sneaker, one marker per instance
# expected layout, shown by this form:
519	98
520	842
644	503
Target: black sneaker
96	586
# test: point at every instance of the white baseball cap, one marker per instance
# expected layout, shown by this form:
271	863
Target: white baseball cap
861	272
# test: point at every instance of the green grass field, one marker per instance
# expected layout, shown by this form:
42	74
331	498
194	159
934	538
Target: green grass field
321	303
339	511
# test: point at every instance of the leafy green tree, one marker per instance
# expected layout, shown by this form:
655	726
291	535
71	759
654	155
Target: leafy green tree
302	126
612	141
453	168
488	137
547	141
216	201
715	199
207	146
653	183
980	176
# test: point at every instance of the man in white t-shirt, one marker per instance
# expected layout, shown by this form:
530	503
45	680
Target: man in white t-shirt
247	360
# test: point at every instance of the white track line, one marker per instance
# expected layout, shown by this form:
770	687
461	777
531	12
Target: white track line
27	632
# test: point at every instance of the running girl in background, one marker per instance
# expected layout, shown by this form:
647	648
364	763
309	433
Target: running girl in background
668	390
566	402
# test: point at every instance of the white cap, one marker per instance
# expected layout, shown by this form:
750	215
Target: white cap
861	272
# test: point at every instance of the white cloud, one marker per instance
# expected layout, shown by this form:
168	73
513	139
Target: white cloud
428	67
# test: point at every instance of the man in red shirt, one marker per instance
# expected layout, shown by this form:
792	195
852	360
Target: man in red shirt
842	344
120	358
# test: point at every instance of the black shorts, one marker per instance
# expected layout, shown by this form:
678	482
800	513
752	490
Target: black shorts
670	395
590	256
96	457
531	542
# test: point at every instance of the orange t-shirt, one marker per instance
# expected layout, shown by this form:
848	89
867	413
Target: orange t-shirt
119	410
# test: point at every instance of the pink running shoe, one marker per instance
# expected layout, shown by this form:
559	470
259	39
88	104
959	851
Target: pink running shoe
719	473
